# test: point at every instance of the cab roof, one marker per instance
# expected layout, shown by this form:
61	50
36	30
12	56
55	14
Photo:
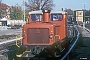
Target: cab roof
52	12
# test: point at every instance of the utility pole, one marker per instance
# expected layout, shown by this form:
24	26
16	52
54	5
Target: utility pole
84	16
24	10
0	6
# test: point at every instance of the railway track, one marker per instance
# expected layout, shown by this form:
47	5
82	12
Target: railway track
4	49
7	38
82	50
5	44
72	45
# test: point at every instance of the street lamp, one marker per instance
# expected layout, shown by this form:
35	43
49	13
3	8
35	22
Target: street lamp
84	16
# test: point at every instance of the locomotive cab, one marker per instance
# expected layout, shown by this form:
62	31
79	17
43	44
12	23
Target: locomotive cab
46	31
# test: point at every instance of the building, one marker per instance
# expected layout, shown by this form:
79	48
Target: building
4	11
7	13
79	16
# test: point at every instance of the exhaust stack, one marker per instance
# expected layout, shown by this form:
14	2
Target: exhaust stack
46	15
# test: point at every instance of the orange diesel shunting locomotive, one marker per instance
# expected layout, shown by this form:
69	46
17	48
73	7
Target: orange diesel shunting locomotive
46	29
37	33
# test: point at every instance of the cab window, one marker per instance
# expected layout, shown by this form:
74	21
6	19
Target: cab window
56	17
36	17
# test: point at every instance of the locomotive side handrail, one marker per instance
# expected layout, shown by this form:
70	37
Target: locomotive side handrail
17	41
70	32
56	36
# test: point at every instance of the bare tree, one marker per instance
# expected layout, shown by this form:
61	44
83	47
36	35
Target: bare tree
39	4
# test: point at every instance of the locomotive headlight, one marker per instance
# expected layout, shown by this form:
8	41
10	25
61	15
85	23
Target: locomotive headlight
51	36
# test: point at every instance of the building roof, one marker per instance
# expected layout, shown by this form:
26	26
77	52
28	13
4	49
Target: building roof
3	19
78	10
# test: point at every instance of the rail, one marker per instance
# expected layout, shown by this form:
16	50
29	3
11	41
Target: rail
4	42
78	35
85	28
